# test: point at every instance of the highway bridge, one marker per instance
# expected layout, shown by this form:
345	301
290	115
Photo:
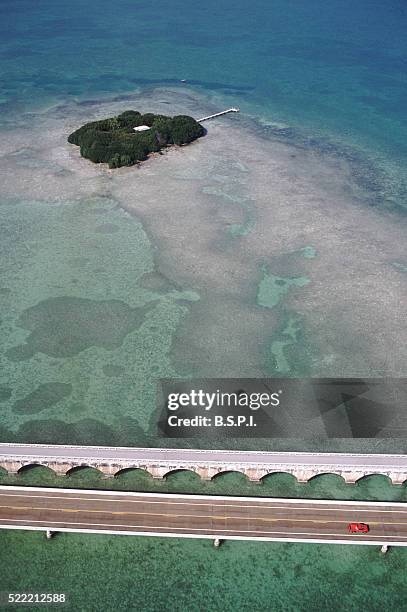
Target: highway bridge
200	516
160	462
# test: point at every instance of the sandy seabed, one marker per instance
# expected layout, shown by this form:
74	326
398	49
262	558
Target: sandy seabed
246	256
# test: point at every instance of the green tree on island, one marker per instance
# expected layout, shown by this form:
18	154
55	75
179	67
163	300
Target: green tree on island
114	141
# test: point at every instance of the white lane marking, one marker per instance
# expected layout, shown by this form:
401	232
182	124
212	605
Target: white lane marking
251	505
190	529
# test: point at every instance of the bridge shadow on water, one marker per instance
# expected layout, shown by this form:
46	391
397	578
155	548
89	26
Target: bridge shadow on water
325	486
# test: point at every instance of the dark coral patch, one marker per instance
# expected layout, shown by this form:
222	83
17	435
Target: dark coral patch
112	370
5	393
43	397
65	326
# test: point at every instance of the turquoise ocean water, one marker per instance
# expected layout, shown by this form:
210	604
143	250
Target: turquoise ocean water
330	75
336	69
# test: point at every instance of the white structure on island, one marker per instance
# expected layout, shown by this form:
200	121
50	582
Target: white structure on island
141	128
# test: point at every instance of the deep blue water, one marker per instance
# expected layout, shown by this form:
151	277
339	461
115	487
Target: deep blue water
336	67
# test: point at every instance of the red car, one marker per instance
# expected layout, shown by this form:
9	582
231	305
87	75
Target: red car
358	528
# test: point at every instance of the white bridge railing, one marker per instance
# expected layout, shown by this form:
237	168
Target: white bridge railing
206	463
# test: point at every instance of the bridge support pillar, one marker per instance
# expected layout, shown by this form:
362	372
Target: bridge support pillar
108	471
157	472
302	476
60	469
384	549
397	479
217	542
12	467
206	473
351	477
49	534
253	475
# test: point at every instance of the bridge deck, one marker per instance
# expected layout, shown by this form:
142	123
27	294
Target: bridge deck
201	516
381	462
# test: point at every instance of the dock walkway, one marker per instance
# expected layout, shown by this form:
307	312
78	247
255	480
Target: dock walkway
228	110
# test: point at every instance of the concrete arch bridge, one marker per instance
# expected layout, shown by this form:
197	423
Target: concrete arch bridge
207	464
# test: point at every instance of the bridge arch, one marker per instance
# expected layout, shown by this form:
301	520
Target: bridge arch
327	475
279	475
28	467
366	478
182	471
89	470
133	471
353	468
229	474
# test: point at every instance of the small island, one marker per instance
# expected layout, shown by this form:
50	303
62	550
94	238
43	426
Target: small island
129	138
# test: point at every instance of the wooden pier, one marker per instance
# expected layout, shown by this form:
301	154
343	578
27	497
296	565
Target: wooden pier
228	110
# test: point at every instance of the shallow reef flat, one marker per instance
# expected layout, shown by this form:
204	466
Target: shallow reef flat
239	255
190	575
288	201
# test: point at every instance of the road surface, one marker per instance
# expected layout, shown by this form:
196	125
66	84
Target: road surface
201	516
371	462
